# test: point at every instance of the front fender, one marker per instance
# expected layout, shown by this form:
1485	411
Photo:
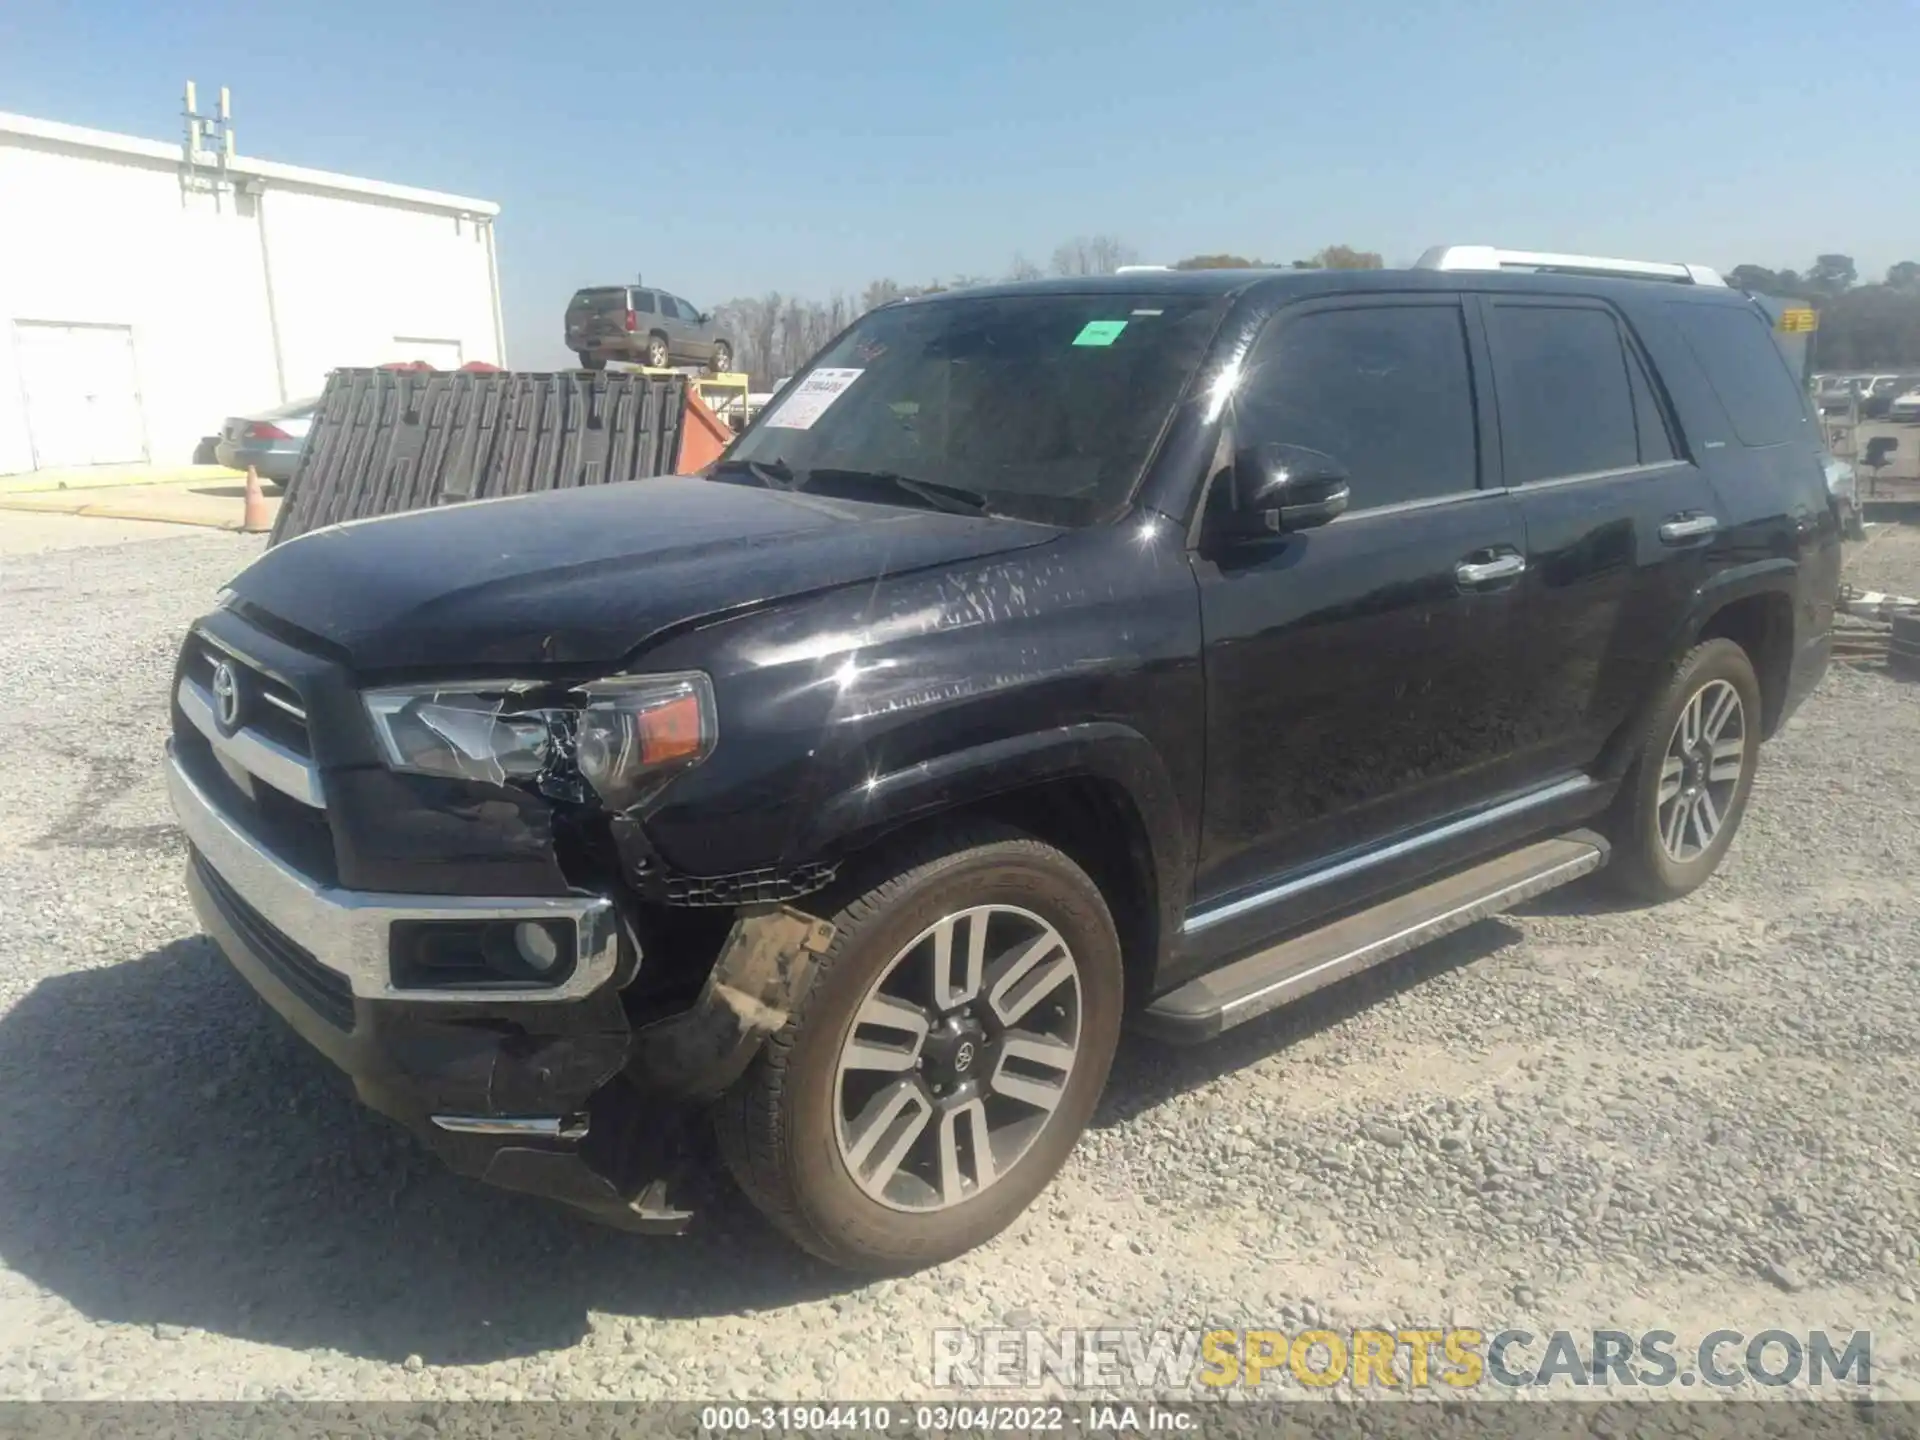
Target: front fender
853	712
1101	749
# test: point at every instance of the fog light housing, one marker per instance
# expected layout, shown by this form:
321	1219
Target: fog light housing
481	954
536	946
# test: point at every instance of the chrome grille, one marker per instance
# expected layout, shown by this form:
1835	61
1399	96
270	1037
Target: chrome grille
268	705
253	721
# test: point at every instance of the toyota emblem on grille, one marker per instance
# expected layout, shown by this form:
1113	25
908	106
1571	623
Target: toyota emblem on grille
226	696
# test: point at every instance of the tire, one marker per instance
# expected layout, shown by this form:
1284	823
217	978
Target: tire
657	354
1646	862
789	1130
722	357
591	361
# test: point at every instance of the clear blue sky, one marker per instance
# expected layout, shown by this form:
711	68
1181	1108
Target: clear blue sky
734	149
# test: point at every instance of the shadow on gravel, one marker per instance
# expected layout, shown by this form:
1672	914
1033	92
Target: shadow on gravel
1589	895
1147	1072
173	1155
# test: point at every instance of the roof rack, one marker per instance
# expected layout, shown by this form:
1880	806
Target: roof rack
1489	257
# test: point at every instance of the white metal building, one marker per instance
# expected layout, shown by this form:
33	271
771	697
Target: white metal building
144	298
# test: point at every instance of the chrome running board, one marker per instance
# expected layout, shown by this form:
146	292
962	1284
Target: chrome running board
1270	978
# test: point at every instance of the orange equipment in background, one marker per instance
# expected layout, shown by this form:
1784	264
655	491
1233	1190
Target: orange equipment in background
703	436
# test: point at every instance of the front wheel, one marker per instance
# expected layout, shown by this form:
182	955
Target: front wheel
722	358
1682	800
937	1072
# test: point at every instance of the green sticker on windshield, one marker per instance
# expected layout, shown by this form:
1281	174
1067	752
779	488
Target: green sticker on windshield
1100	332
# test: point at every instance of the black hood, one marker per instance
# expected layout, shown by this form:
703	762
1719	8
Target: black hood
582	577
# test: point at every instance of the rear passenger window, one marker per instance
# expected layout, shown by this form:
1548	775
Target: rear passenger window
1744	365
1385	390
643	301
1566	392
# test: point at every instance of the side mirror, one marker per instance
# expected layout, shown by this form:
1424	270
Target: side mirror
1282	488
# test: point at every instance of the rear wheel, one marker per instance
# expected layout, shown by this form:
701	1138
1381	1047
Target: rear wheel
591	361
942	1064
657	354
1682	801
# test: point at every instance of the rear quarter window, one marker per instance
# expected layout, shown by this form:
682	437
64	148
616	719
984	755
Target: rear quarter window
1746	370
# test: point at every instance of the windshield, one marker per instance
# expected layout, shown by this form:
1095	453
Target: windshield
1046	407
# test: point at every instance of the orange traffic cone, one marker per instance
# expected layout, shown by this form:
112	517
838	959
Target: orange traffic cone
254	519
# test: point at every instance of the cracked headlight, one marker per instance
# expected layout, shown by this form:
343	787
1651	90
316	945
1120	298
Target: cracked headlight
618	740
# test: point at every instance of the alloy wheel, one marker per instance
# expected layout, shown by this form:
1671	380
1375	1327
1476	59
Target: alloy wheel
1700	773
957	1058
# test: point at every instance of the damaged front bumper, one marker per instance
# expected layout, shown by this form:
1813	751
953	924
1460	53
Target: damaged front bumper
548	1091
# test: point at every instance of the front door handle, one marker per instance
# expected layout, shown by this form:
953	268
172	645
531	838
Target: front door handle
1471	573
1687	527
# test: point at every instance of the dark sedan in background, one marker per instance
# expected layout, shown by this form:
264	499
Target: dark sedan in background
270	441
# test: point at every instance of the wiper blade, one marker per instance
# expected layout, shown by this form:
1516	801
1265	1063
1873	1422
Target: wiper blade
774	474
954	499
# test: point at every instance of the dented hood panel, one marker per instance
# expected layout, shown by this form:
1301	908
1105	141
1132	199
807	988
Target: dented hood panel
583	577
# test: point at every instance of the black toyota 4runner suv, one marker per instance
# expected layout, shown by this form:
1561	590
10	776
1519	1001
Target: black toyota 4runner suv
1152	649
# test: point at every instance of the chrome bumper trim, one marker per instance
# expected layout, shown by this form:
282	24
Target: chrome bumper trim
347	930
251	751
551	1127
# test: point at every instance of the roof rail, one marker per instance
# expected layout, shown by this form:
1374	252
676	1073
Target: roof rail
1137	269
1489	257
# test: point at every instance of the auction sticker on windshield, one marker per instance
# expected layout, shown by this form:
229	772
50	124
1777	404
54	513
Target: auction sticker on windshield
811	398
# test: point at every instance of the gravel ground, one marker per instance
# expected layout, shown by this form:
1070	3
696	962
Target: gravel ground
1695	1117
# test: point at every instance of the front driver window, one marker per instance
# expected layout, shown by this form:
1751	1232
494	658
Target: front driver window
1383	389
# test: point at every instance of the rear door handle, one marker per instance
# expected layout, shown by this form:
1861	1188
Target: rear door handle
1472	573
1687	527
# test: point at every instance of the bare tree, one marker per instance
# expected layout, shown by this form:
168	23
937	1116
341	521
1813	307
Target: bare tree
1023	269
1070	258
753	324
1092	255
